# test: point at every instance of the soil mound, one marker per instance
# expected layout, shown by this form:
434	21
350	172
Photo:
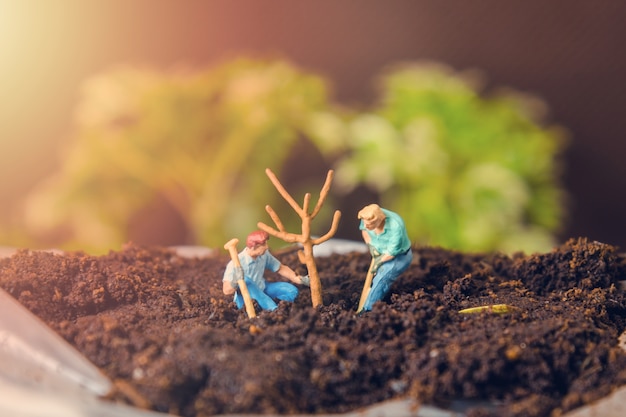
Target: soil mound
159	325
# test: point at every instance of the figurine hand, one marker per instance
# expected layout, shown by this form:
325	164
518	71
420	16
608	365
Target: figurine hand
376	264
305	280
373	251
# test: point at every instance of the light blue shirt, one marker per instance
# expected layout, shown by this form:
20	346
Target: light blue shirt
394	239
253	269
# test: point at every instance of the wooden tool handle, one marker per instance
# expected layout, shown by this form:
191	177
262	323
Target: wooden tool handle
231	247
366	287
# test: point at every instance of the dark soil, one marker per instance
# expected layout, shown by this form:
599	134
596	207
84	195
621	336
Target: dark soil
159	326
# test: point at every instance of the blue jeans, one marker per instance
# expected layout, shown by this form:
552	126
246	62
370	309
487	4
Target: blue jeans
283	291
387	273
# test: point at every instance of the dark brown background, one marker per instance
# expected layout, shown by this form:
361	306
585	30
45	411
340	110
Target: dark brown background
570	53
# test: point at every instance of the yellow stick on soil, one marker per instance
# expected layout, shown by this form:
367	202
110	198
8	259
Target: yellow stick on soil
493	308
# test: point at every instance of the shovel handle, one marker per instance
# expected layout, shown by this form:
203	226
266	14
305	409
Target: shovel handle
366	287
231	247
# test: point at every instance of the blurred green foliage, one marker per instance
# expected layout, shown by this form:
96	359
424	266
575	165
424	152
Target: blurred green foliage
465	171
200	140
469	172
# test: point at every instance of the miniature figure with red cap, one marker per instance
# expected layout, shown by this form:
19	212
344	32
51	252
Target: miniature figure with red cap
255	258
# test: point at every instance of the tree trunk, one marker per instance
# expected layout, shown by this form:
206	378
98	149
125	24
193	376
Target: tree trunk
316	284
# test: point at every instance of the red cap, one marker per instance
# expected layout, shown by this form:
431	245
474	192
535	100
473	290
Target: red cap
258	237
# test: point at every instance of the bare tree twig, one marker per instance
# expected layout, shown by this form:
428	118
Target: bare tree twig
275	218
331	232
306	254
323	193
283	192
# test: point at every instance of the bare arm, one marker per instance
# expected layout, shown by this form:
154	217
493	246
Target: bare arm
228	288
290	274
386	257
366	237
231	276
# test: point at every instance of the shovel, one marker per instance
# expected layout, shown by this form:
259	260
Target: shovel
367	286
231	247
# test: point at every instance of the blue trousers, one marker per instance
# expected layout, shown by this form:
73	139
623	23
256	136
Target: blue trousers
282	291
387	273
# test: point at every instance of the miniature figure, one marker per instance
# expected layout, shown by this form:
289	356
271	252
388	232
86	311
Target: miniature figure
387	239
254	260
231	247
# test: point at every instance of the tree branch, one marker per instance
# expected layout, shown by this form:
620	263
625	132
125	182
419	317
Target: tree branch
306	203
275	218
323	193
331	232
287	237
283	192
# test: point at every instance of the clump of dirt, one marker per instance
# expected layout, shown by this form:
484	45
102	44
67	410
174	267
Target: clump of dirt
159	325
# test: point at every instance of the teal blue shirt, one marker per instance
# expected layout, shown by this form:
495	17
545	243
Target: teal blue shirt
394	239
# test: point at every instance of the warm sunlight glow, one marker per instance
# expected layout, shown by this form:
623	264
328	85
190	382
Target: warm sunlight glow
12	57
38	55
39	51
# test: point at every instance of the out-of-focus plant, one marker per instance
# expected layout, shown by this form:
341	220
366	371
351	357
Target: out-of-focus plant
201	140
466	171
